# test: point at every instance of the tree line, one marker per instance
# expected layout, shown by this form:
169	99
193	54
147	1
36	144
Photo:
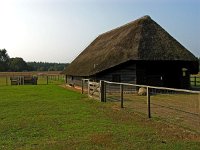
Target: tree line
199	63
17	64
45	66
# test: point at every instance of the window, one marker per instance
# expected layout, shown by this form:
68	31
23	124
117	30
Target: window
116	78
184	70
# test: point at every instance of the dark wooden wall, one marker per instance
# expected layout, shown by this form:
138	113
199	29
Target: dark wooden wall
163	73
127	72
74	80
154	73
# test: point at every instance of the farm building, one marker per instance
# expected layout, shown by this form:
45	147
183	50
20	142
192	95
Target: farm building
140	52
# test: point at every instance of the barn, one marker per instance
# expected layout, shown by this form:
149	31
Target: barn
140	52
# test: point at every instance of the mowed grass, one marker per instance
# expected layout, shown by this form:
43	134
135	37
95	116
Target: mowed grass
51	117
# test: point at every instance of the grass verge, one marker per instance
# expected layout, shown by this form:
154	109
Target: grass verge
51	117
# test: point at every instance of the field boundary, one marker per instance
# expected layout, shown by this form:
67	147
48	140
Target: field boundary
44	78
174	105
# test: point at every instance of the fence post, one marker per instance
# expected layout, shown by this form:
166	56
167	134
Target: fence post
47	79
6	80
105	84
19	80
195	80
88	88
199	103
82	87
122	95
102	91
148	103
22	80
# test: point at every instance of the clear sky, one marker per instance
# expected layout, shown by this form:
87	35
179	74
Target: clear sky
58	30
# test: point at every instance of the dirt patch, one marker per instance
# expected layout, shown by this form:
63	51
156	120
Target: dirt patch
164	129
76	88
116	108
101	138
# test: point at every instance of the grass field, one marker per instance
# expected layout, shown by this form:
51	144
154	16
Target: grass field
51	117
180	109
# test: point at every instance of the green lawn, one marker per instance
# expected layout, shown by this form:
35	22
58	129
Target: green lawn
51	117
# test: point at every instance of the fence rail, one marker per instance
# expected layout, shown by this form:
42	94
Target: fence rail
195	80
42	79
178	106
93	89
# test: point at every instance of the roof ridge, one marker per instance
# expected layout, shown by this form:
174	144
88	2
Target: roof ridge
127	24
142	39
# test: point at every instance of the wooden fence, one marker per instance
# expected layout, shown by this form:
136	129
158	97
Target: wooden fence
98	90
94	89
42	79
177	106
23	80
195	80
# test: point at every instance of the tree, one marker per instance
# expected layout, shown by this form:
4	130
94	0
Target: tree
18	64
4	59
199	63
45	66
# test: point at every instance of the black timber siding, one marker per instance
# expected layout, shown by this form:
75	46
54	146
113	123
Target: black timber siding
127	72
155	73
164	73
74	80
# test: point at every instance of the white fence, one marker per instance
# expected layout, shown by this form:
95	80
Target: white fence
172	105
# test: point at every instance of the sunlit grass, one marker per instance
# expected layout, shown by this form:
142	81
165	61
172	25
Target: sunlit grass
50	117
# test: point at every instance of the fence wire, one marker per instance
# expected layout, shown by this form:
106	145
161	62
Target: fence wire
41	79
195	81
181	107
176	107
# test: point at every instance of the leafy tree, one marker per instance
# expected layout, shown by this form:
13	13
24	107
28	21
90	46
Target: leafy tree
51	68
17	64
199	63
4	58
45	66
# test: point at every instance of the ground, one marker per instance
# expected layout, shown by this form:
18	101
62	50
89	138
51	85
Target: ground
52	117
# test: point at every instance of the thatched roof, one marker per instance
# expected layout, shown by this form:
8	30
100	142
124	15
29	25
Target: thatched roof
142	39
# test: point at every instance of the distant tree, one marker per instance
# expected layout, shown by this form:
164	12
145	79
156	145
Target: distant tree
199	63
17	64
51	68
41	69
4	58
45	66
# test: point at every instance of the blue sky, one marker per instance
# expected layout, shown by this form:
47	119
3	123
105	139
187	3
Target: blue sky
58	30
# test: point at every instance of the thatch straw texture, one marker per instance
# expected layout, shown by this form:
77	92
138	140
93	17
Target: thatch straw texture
142	39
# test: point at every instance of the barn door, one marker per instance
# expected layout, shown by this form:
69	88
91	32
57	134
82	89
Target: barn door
185	79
